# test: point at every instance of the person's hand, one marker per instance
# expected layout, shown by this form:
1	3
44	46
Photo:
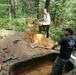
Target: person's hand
53	47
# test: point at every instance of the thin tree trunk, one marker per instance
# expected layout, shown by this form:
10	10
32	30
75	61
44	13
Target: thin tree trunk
10	13
23	2
9	9
37	8
47	4
14	10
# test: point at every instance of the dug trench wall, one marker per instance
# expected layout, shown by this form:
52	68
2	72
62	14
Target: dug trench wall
41	65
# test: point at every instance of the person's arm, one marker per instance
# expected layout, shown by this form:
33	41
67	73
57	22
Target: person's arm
60	42
55	45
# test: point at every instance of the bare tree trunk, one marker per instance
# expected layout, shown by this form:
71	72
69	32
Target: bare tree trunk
37	8
9	9
47	4
10	13
23	3
14	10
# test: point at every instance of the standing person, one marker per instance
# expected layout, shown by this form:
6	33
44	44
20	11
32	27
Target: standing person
67	44
46	18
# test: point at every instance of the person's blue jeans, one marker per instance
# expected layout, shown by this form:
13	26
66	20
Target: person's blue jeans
59	66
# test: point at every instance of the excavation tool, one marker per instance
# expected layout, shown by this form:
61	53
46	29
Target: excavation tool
56	49
5	60
40	47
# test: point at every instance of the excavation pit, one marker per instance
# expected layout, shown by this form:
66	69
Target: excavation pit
37	66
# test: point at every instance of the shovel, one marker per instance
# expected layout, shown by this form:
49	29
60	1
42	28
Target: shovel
40	47
5	60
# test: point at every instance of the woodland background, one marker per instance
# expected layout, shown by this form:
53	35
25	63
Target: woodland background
62	12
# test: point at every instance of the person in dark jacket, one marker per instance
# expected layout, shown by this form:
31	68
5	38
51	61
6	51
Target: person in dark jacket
67	44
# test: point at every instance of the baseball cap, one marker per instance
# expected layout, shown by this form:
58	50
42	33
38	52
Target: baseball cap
69	30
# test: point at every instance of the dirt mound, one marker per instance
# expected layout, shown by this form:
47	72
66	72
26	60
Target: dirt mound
36	38
17	44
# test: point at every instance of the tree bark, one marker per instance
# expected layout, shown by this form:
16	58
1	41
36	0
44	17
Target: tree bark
47	4
23	5
14	12
37	8
9	9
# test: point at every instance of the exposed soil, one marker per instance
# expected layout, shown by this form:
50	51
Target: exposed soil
15	44
41	69
38	66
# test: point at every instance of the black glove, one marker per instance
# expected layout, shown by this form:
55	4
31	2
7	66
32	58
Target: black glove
53	47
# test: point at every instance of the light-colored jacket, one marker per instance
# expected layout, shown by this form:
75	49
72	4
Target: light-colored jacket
46	17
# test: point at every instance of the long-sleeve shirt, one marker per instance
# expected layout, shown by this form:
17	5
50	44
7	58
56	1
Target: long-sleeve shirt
46	17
